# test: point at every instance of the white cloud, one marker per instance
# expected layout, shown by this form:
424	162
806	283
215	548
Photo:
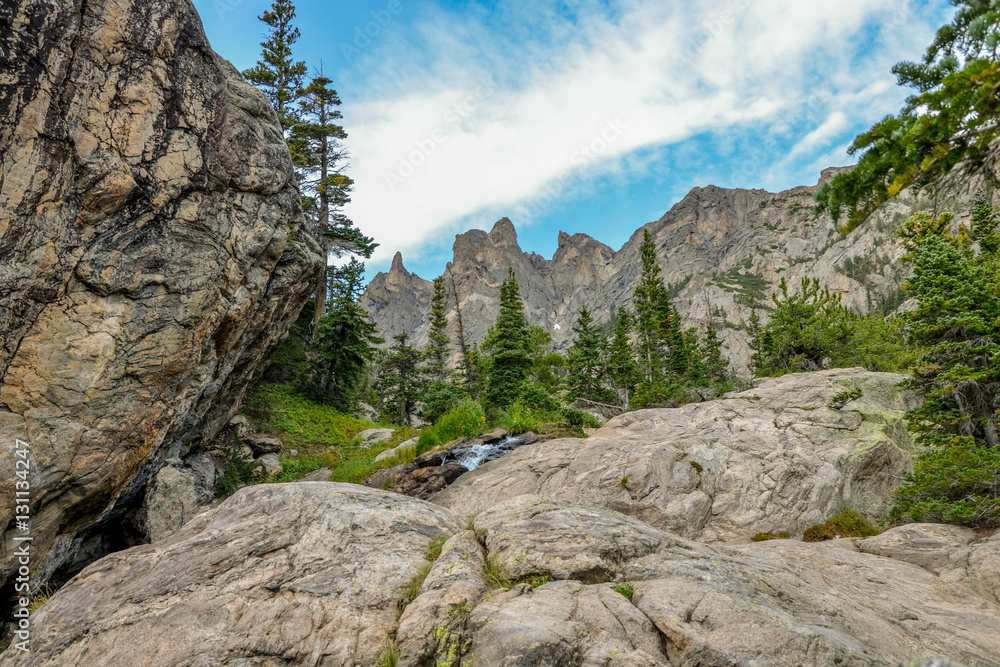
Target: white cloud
464	118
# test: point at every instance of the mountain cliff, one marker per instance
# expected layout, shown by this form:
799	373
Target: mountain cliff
718	248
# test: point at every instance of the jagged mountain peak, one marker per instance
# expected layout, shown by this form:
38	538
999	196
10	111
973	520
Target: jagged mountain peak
720	249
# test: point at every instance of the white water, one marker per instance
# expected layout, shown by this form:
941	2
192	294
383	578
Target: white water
473	456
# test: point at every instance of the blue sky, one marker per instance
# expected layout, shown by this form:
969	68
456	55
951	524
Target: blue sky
591	116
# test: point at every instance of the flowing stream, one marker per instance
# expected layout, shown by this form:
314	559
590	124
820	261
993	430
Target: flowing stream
474	456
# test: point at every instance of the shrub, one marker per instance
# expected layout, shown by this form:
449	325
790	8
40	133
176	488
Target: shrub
239	471
764	537
844	397
440	398
465	420
519	418
538	400
845	524
580	419
434	548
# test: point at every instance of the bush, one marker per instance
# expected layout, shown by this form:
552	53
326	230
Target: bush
538	400
519	418
440	398
958	483
465	420
239	472
845	524
764	537
624	589
580	419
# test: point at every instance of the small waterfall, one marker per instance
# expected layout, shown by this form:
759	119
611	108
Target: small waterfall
473	456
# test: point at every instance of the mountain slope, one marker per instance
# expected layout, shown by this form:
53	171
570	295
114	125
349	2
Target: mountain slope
717	247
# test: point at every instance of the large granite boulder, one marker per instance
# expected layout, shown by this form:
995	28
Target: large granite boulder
771	459
152	255
316	574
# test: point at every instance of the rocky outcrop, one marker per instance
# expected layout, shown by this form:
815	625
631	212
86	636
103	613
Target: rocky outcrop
316	573
771	459
152	255
717	248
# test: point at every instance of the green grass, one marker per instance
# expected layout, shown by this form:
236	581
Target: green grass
624	589
465	420
411	590
389	657
301	423
434	548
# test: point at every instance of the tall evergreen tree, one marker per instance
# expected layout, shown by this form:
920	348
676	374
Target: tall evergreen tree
713	365
343	345
317	149
584	360
277	73
403	380
509	345
621	368
437	350
651	311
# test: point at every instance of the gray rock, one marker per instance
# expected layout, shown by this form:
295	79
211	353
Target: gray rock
242	426
286	574
263	444
152	256
318	475
399	451
375	436
271	463
771	459
938	548
174	497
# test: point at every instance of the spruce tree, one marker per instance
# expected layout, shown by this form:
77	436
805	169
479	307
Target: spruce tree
343	346
402	380
584	360
713	365
276	73
509	348
620	366
650	314
437	350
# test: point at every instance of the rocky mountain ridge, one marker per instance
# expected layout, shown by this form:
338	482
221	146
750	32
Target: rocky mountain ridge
718	248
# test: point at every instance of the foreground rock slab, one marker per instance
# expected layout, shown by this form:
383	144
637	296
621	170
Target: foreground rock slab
772	459
326	574
295	574
152	256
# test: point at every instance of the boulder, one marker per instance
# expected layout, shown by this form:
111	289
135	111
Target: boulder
375	436
261	444
179	492
318	475
775	458
282	574
270	463
424	482
399	451
152	256
938	548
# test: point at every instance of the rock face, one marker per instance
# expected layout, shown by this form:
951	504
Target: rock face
717	247
324	584
152	255
775	458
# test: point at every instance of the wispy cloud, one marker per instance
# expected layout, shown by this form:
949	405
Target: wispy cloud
471	115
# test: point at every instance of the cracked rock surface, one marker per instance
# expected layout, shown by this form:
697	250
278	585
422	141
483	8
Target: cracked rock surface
152	254
771	459
314	574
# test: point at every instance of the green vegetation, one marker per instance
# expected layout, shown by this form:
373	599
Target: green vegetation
466	420
810	330
764	537
844	397
389	657
624	589
240	471
40	598
403	381
845	524
584	361
956	280
434	548
509	347
946	132
746	286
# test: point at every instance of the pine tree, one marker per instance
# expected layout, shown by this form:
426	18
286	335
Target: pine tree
947	132
343	345
620	365
277	73
437	350
315	142
583	360
403	380
713	365
957	321
650	314
509	347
